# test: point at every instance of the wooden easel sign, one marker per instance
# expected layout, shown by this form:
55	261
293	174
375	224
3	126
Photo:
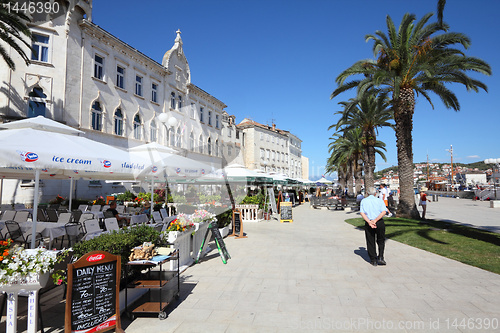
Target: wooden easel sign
237	225
286	212
92	302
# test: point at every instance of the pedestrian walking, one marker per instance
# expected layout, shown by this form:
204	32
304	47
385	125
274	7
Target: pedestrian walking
423	201
372	210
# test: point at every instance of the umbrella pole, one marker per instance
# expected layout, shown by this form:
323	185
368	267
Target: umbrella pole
70	192
35	208
152	195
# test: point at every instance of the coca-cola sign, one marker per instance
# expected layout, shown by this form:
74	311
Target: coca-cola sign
95	257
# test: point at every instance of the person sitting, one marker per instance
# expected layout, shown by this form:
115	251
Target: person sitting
122	220
146	209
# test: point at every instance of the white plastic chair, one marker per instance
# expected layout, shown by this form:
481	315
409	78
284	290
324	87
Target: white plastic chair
139	219
92	229
120	209
163	212
83	208
95	208
111	224
8	215
157	217
64	218
86	216
22	216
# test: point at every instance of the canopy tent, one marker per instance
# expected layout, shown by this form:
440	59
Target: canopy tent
238	173
43	153
280	179
323	180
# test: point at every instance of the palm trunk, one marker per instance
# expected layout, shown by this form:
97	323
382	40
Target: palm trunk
349	180
369	161
357	177
404	107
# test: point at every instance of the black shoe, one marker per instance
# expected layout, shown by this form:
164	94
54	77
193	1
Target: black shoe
381	261
374	262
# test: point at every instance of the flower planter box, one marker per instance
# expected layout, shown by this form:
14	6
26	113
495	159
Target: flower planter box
182	242
224	231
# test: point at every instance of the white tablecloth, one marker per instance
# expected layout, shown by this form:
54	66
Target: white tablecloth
49	230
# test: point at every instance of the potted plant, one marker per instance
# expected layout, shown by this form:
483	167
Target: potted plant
20	267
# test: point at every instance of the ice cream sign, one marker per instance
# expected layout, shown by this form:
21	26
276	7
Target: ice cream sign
27	156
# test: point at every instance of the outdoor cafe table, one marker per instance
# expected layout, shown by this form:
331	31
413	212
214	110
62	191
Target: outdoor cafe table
49	230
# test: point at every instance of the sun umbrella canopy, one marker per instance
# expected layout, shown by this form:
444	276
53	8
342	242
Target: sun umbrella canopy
238	173
41	123
25	149
153	160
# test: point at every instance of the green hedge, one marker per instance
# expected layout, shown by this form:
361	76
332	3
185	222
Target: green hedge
119	242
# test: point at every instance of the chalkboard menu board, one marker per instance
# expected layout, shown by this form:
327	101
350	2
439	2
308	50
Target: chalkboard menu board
221	246
236	222
286	212
93	303
237	225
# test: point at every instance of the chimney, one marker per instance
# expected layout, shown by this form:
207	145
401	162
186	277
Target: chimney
274	127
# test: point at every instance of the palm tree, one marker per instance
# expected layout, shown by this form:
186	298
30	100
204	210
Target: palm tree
367	112
414	59
12	29
346	149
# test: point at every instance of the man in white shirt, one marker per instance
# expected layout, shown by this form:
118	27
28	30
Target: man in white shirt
372	210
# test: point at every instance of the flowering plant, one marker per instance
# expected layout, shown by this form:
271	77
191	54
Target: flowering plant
21	265
58	200
202	216
99	201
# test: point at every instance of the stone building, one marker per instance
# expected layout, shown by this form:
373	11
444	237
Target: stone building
84	77
271	149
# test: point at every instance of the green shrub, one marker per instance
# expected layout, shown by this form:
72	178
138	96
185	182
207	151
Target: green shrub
177	198
127	196
254	200
224	218
119	242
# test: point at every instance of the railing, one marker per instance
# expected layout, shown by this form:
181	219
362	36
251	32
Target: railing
249	213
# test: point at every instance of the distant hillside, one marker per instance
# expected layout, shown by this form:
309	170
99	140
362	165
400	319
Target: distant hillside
480	165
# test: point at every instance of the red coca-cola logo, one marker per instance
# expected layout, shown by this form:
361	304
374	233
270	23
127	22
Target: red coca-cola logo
95	257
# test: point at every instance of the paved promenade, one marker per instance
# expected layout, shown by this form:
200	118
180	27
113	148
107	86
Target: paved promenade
313	275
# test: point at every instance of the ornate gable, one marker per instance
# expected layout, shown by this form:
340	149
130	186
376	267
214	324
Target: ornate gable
175	61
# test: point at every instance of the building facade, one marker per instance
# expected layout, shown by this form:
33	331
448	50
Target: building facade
84	77
271	149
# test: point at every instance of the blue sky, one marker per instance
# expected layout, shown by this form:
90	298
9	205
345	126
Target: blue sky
279	59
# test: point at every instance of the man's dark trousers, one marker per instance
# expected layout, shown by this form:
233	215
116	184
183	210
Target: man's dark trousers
370	234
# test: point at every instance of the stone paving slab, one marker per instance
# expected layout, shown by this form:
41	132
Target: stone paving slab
313	275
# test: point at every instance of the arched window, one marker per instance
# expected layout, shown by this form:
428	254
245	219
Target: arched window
118	122
209	146
178	138
200	144
216	148
172	100
36	104
191	141
96	116
153	131
171	133
179	105
137	127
